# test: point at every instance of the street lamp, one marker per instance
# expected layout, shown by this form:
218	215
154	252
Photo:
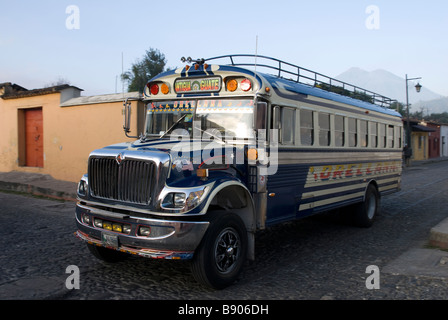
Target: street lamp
418	87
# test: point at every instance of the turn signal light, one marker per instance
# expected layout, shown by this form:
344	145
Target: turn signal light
252	154
202	173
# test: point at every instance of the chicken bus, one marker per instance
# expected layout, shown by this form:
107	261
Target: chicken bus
232	145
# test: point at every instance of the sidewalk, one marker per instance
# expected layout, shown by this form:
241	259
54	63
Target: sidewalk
416	163
38	184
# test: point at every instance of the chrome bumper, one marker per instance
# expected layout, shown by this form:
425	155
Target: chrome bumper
168	239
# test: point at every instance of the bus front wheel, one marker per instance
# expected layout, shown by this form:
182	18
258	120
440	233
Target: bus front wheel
221	255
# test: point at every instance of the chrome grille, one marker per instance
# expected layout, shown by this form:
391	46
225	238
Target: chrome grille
131	181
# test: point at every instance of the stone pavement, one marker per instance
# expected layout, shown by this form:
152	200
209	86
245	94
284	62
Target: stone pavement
45	185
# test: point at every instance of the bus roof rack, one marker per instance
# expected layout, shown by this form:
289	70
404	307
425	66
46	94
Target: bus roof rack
298	74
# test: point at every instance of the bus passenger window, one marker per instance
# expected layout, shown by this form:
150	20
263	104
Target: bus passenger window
306	128
339	131
382	136
373	134
352	133
399	137
287	128
363	133
276	118
390	136
324	129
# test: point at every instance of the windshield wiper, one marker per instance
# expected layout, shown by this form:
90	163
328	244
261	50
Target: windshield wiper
216	137
174	124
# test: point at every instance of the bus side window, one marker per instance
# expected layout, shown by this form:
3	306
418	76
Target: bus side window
276	118
306	127
352	133
390	136
324	129
339	131
382	135
363	134
288	124
399	137
373	134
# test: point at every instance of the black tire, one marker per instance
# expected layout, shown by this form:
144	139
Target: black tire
107	255
222	252
366	211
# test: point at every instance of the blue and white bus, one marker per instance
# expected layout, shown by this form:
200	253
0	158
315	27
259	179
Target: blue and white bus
230	149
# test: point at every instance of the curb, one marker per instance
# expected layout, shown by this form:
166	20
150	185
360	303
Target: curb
438	236
37	191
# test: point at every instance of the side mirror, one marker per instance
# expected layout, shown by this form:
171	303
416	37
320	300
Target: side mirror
127	118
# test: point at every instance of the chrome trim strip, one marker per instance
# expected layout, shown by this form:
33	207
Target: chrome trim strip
144	252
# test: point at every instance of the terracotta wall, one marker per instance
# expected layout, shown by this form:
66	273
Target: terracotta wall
70	133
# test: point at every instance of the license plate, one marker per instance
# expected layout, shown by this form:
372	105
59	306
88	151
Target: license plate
109	240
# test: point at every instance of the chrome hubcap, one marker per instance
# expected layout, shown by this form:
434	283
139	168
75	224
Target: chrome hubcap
227	250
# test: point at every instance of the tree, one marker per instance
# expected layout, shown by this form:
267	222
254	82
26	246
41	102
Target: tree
152	63
399	107
58	82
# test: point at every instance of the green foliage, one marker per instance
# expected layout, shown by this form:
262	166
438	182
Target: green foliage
152	63
441	118
399	107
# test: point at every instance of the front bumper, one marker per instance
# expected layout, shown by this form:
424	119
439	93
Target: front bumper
168	239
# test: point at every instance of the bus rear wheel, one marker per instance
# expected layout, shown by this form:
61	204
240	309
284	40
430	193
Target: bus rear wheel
366	211
221	255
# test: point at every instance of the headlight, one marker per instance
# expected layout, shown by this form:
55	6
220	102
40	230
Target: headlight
184	199
194	198
174	200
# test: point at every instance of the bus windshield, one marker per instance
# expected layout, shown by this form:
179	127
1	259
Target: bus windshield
222	119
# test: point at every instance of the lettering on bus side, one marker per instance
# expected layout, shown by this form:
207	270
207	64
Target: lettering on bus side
352	170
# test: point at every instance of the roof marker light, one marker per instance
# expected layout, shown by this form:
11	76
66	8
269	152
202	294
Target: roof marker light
154	89
165	88
246	85
231	85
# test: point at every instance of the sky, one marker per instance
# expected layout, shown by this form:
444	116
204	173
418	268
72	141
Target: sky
89	43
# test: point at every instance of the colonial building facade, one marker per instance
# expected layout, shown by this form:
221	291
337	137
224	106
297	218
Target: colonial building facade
53	130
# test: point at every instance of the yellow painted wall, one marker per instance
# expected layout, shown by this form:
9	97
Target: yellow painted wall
70	133
419	145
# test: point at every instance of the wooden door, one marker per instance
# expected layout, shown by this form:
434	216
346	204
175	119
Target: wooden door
34	139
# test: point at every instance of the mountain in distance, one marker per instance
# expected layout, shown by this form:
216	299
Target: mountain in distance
392	86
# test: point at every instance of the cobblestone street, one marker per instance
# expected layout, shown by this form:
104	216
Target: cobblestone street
316	258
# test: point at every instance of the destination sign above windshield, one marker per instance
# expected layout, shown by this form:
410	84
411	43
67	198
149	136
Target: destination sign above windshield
197	85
